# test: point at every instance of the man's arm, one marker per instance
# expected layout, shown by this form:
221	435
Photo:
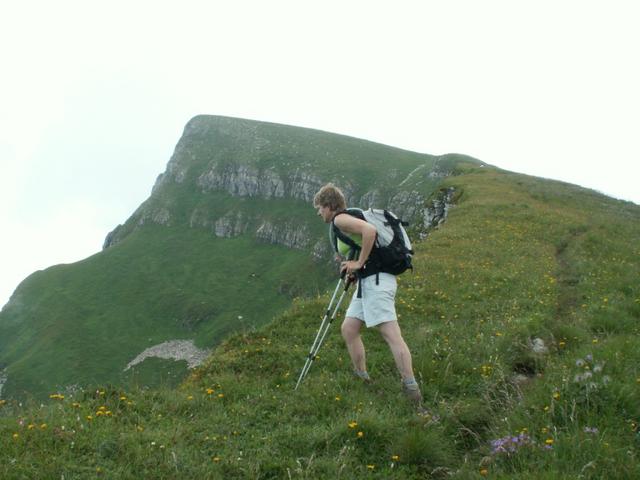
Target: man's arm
350	224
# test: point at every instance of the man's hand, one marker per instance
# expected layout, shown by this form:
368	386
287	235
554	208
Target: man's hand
350	267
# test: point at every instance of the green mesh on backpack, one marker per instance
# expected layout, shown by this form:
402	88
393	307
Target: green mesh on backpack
343	248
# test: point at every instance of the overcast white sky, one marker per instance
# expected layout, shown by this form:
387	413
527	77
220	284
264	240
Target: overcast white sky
94	95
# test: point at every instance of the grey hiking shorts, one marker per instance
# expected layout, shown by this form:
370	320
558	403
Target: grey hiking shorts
378	302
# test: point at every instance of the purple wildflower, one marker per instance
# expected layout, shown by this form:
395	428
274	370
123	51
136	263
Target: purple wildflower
510	443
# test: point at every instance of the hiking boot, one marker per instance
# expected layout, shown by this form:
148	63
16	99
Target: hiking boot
412	392
364	376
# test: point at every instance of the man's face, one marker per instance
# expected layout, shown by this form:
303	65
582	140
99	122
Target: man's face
326	213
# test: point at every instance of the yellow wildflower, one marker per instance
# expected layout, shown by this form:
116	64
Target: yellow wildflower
395	458
360	434
549	441
353	424
210	391
16	436
43	426
371	467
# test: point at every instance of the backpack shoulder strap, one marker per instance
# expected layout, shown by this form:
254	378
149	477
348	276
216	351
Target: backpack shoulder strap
338	234
392	220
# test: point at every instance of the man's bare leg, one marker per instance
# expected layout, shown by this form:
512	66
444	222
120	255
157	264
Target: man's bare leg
351	334
391	333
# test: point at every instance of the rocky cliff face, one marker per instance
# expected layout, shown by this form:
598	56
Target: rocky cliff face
242	181
3	379
237	223
435	212
245	181
231	225
206	162
288	234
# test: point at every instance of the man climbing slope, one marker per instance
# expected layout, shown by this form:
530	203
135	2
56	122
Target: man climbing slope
373	303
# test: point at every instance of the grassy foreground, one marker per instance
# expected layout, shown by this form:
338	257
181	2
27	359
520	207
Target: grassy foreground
521	262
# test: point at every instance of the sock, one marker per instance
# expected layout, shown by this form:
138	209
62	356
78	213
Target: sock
362	374
410	382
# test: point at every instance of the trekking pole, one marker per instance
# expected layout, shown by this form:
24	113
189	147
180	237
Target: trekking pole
324	328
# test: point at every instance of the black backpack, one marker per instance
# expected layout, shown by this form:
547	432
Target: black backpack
391	251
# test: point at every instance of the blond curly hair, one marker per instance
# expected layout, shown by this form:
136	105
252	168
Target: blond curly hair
330	196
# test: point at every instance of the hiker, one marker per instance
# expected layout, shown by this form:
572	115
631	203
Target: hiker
373	303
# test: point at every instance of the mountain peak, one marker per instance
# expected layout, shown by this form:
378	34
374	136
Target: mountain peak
225	233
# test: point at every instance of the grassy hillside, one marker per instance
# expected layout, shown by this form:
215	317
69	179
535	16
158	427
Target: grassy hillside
170	274
520	260
162	283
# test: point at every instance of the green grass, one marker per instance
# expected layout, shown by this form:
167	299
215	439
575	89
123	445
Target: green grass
82	323
519	258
